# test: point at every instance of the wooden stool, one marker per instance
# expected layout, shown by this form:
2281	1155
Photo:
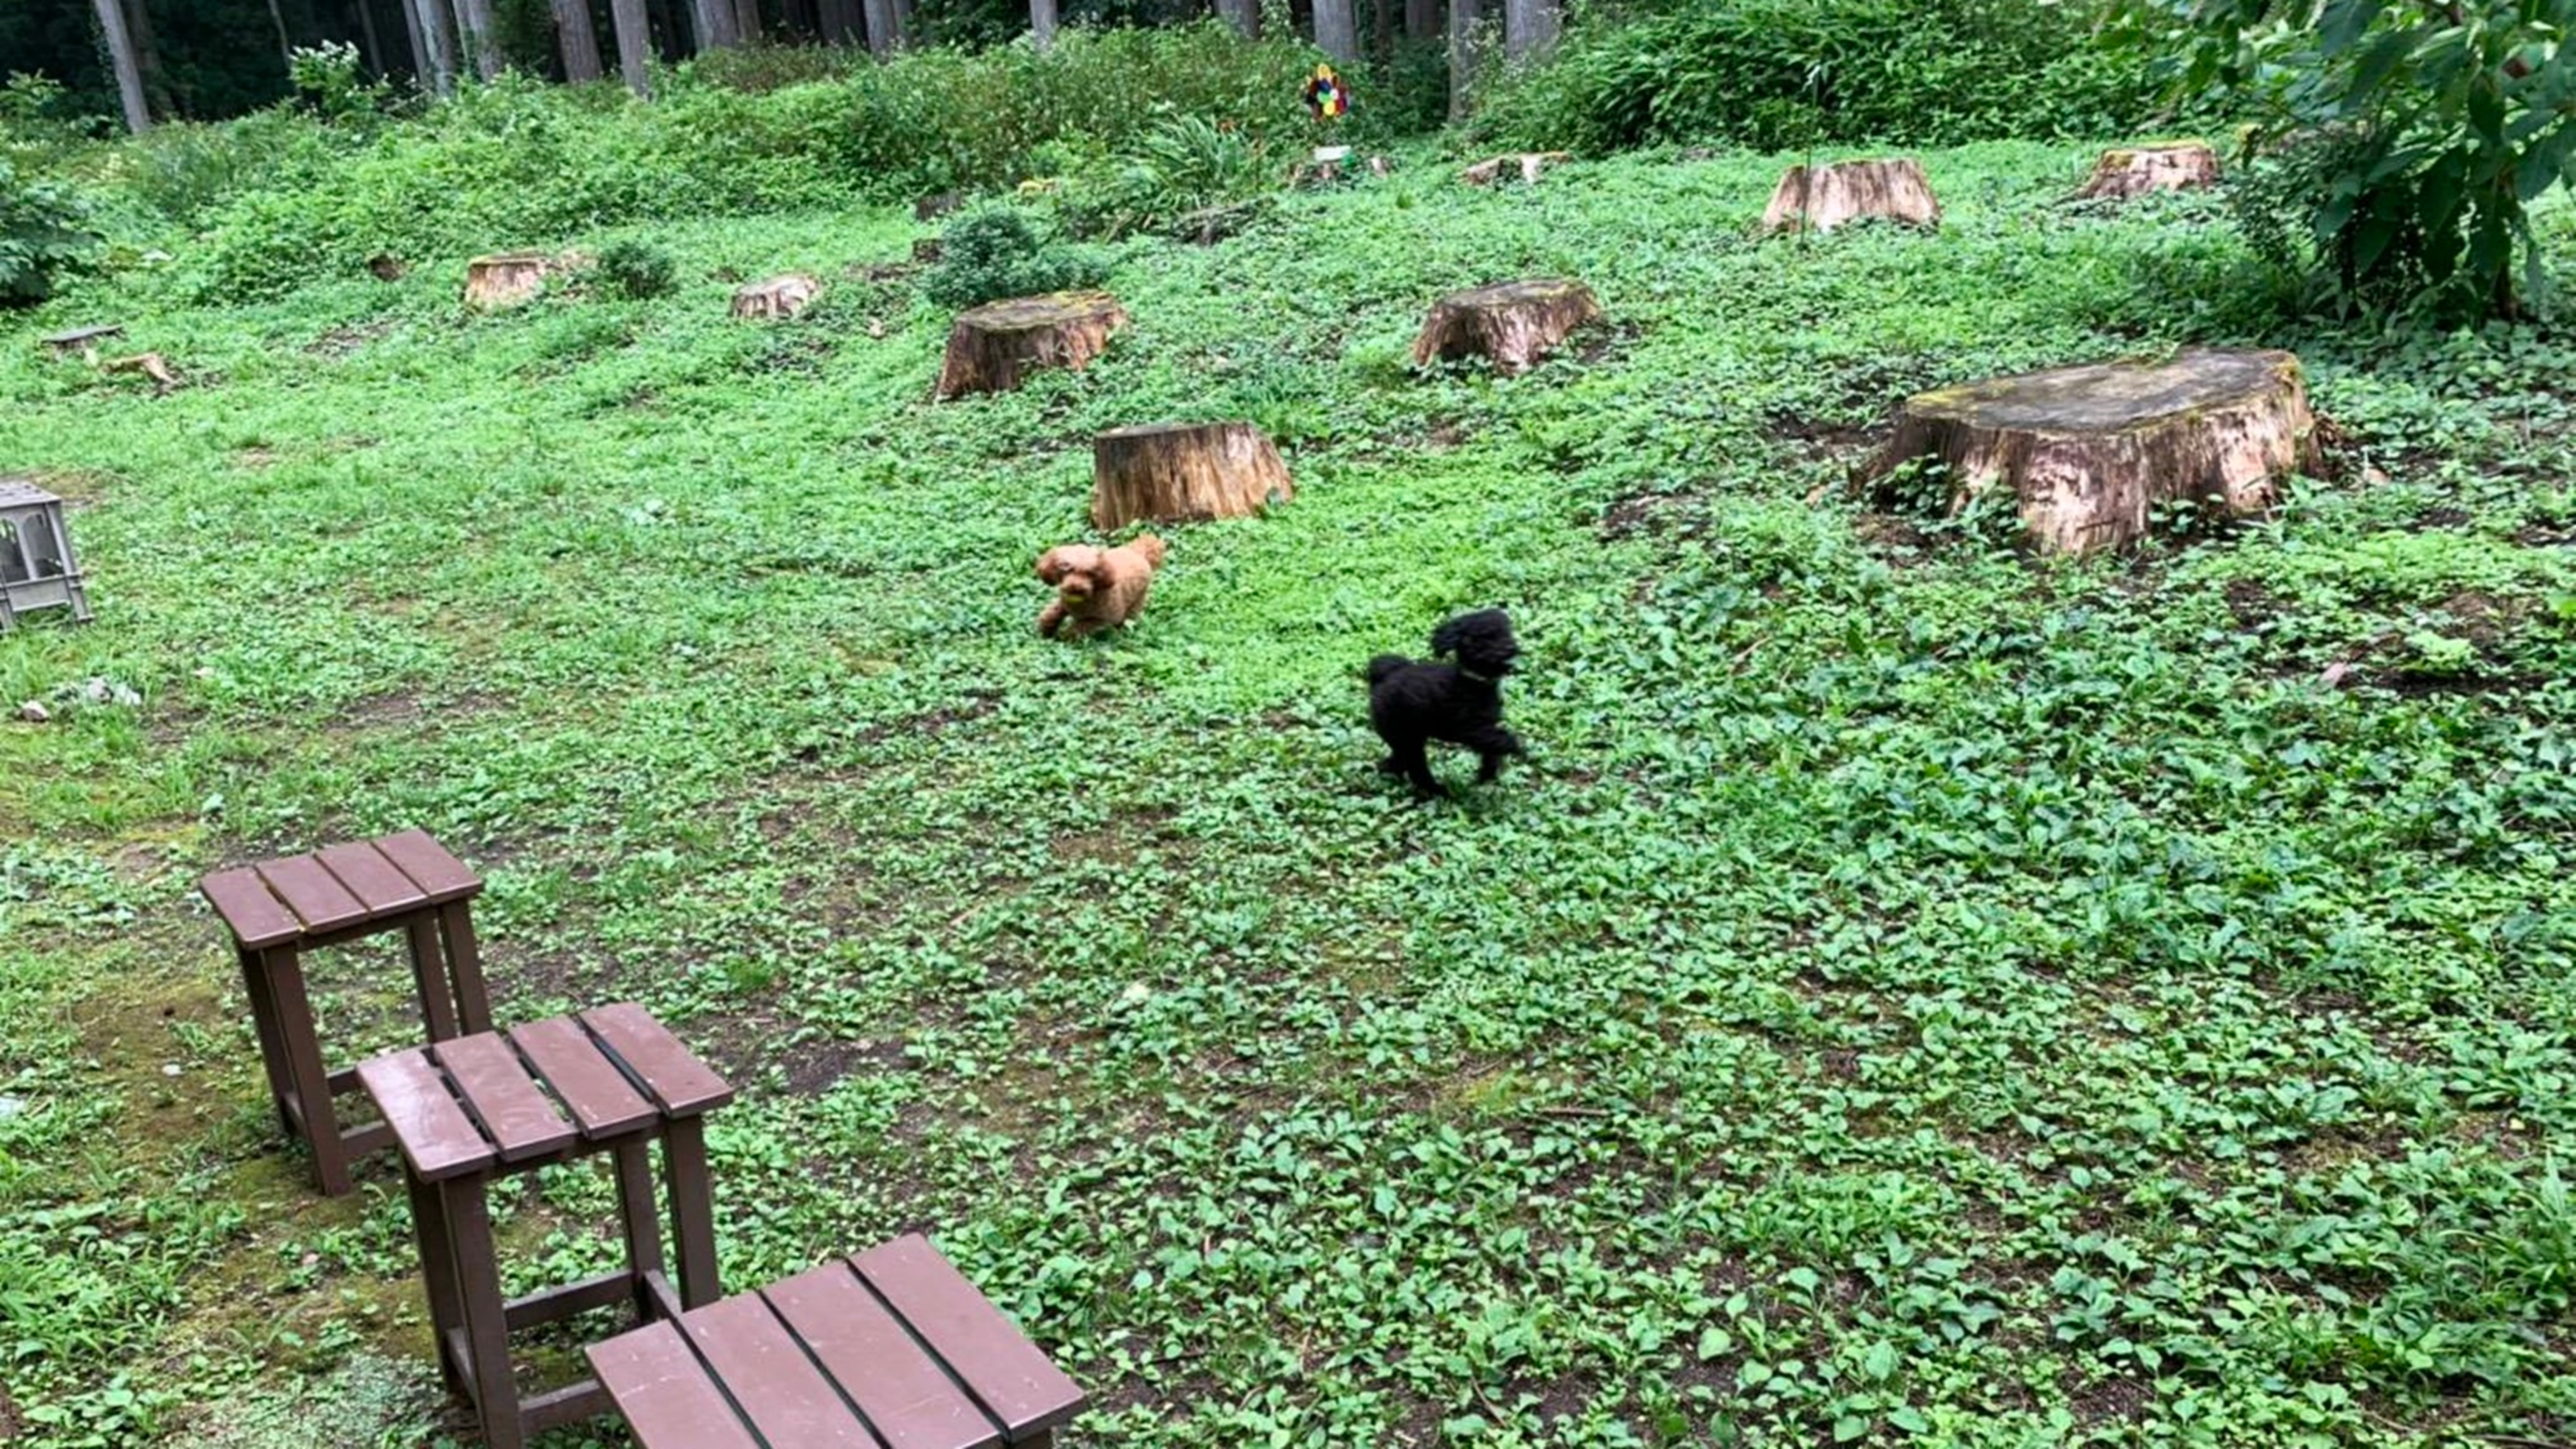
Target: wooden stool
477	1109
279	909
891	1347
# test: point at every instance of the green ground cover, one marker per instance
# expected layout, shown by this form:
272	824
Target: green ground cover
1911	994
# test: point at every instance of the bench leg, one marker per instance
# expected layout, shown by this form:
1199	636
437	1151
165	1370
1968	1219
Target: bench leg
485	1317
643	1222
429	974
684	1159
310	1081
272	1051
465	966
438	1273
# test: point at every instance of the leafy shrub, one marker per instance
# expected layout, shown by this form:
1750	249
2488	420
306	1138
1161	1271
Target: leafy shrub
43	232
637	269
1184	165
1776	74
332	80
996	252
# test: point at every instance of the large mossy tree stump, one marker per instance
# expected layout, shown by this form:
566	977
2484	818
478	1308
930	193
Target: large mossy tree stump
2137	170
777	299
1529	166
1821	198
995	346
1184	473
507	279
2090	452
1514	324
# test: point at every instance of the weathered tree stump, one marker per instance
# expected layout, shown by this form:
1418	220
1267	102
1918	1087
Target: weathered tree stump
82	339
508	278
1528	165
1515	324
2135	171
1820	198
1184	473
777	298
2089	452
994	346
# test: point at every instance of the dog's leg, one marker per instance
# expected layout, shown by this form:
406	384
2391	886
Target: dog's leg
1051	619
1415	761
1496	745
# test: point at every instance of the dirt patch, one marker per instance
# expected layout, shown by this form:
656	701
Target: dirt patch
1896	538
348	339
2250	603
1120	841
1606	342
974	706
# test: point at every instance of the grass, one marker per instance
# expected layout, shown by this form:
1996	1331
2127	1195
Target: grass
1913	993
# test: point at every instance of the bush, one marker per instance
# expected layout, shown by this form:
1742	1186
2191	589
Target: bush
997	252
1183	166
637	269
43	233
1779	74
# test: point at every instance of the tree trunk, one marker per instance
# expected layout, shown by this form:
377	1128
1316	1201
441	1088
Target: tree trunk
1825	197
1243	15
746	21
715	24
285	43
1421	19
129	67
368	39
1513	325
480	36
508	279
902	22
2092	453
1382	33
798	20
1042	22
2122	174
883	28
994	346
1466	41
1184	473
634	44
576	41
1530	28
843	24
423	72
1337	34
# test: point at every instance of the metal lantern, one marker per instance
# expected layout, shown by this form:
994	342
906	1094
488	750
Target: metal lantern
37	570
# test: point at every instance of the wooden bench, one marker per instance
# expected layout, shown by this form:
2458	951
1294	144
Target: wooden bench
890	1348
279	909
475	1110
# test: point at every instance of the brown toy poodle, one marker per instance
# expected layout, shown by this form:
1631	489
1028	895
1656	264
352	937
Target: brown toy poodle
1097	588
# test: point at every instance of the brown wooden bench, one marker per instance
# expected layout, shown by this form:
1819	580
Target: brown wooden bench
478	1109
890	1348
279	909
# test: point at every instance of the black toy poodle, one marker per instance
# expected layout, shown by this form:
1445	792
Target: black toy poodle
1415	701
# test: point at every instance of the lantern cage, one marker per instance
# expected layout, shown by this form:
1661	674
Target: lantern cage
37	567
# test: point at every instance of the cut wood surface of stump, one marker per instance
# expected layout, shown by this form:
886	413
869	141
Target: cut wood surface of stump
508	278
994	347
778	297
1529	166
1821	198
2135	171
1184	473
1514	324
2091	452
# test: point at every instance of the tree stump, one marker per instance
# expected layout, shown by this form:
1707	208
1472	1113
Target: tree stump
82	339
2089	452
1184	473
994	346
2122	174
1821	198
777	298
1529	165
507	279
1515	324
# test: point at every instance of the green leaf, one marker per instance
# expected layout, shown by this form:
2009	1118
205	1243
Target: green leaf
1715	1343
1850	1427
1880	1361
1910	1419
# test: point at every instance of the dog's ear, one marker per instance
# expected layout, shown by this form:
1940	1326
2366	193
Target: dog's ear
1055	563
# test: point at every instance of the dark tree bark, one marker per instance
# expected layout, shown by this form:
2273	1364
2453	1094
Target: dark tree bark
1337	34
716	24
422	70
129	68
480	34
798	19
883	27
1465	43
1530	28
576	40
285	42
1422	19
147	56
1042	22
746	21
634	44
1382	32
843	24
1243	15
368	41
438	28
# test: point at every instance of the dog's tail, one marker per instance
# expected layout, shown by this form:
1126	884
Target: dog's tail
1150	546
1385	667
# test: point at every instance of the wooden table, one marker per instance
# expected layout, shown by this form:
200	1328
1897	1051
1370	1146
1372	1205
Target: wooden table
279	909
892	1347
476	1110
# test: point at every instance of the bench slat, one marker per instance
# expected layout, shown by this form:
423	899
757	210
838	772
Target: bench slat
496	1088
436	1136
366	874
251	911
664	1392
441	876
910	1399
786	1398
322	903
682	1083
987	1352
589	1083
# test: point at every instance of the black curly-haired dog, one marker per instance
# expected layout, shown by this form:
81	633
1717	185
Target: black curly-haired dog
1415	701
